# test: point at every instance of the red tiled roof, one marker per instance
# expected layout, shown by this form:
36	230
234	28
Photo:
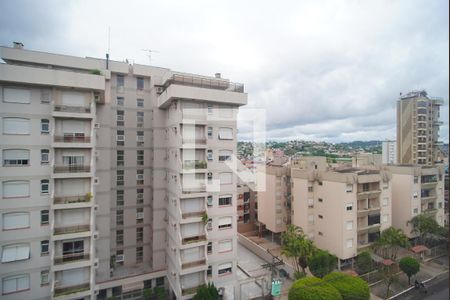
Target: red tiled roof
419	249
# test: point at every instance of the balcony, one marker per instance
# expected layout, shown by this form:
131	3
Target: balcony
201	188
192	264
189	291
372	193
193	239
72	109
196	214
202	82
71	229
196	141
195	165
67	290
68	258
72	199
72	139
71	169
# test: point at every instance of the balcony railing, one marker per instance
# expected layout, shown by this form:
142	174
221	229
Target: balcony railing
192	264
72	139
71	229
189	291
195	164
66	290
71	169
72	109
193	214
193	239
71	258
72	199
194	189
198	141
218	84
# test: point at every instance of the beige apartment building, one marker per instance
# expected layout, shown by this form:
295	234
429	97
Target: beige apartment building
418	128
417	190
114	178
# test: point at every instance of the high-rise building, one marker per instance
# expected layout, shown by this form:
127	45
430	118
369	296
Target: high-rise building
114	178
418	128
389	152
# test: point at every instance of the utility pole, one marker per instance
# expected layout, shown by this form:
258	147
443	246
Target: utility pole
276	261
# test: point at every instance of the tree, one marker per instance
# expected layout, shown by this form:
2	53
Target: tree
424	226
313	288
350	287
207	292
364	262
390	241
322	263
389	276
295	245
410	266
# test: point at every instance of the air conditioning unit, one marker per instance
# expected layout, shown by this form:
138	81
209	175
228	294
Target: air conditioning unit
139	215
120	258
96	125
159	90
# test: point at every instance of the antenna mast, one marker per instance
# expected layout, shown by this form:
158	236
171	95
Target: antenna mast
150	51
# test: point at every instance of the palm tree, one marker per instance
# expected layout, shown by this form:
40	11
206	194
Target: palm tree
390	241
295	245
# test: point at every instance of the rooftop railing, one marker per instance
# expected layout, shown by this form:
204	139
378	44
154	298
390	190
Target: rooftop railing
209	83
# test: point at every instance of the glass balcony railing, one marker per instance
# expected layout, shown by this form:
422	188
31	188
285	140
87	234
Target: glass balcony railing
71	109
72	199
71	229
67	290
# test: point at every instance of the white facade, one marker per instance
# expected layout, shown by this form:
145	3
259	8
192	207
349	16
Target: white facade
389	152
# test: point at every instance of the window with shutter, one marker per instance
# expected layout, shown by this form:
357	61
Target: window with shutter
225	245
225	133
16	95
15	252
16	189
16	220
225	222
226	178
16	126
16	157
15	283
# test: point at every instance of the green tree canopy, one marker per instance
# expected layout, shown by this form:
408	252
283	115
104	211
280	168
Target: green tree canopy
322	263
424	226
390	241
364	262
313	288
295	245
207	292
410	266
350	287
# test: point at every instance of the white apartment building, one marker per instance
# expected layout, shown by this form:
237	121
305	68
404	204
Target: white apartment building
389	152
113	178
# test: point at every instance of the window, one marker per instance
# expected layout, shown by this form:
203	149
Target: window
311	219
384	219
120	80
119	237
209	200
415	194
119	257
119	217
16	189
210	108
310	189
225	155
210	132
440	205
209	248
120	137
320	200
320	183
140	102
16	283
225	200
15	252
349	243
210	177
16	126
139	215
225	222
139	119
415	211
349	225
139	177
15	220
46	95
225	133
226	178
45	126
45	247
385	201
44	217
120	118
16	157
140	196
120	101
139	234
225	269
45	277
349	188
209	271
349	206
140	83
45	183
120	177
209	155
139	254
416	179
140	157
120	158
119	198
140	138
16	95
225	245
45	156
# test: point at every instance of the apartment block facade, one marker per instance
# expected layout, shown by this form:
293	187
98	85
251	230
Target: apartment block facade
389	152
418	128
417	190
114	178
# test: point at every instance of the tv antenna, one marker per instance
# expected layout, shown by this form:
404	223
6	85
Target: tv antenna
150	51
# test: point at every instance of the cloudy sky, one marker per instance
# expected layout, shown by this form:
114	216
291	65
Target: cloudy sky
323	70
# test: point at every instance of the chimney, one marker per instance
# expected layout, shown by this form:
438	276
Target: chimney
17	45
218	75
